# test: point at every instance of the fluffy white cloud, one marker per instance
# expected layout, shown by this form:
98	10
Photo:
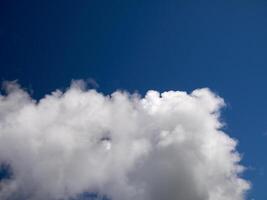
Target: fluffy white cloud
161	146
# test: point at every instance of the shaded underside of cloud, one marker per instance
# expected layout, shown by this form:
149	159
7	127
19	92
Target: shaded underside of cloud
161	146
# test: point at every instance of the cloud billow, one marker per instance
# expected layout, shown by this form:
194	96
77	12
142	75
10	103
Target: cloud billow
123	146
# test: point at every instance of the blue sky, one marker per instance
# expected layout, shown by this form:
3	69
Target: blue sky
142	45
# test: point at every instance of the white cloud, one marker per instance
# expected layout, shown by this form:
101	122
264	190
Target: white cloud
162	146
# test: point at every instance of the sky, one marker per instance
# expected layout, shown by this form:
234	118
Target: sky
139	46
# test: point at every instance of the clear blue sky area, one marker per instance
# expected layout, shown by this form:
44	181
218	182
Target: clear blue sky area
140	45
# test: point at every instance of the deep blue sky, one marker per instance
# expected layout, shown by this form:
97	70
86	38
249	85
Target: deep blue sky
140	45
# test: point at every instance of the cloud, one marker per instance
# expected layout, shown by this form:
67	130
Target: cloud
123	146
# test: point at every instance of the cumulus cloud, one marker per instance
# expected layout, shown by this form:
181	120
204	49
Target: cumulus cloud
161	146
